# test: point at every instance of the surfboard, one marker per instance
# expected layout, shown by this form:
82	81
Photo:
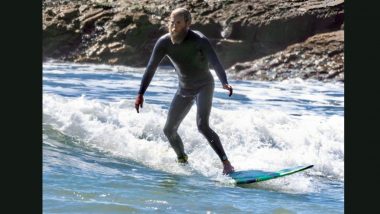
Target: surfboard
252	176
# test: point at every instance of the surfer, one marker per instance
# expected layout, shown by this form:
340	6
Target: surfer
189	51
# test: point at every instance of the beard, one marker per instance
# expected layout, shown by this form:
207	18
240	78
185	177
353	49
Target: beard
178	37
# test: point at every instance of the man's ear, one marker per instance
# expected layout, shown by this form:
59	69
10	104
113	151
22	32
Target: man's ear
188	23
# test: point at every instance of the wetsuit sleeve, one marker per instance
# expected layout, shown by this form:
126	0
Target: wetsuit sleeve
214	60
155	59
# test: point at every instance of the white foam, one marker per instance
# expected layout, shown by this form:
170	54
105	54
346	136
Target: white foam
259	139
255	125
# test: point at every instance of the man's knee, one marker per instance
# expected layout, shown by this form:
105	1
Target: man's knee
203	127
169	131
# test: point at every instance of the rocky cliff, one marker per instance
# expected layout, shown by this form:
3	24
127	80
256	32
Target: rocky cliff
124	31
320	57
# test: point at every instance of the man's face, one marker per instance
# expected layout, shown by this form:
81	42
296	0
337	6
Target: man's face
177	28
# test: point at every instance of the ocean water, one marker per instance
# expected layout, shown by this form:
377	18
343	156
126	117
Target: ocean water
100	156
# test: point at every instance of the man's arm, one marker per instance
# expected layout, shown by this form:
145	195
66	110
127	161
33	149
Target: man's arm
214	60
156	57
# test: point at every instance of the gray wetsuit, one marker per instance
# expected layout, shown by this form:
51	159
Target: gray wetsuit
196	83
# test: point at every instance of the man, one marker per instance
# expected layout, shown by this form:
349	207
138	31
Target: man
189	51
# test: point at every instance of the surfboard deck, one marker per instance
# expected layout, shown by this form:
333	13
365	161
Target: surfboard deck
252	176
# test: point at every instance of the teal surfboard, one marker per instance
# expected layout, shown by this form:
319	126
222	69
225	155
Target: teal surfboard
252	176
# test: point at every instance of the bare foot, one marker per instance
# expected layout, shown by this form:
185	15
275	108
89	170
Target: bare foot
227	167
182	159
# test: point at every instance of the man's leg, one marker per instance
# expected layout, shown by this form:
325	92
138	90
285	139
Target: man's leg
179	108
204	104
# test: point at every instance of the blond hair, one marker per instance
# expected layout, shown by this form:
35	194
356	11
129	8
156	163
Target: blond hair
184	12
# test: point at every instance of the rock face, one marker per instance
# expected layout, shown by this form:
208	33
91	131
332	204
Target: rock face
320	57
125	31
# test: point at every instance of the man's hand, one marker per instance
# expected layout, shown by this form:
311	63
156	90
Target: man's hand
139	102
228	87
